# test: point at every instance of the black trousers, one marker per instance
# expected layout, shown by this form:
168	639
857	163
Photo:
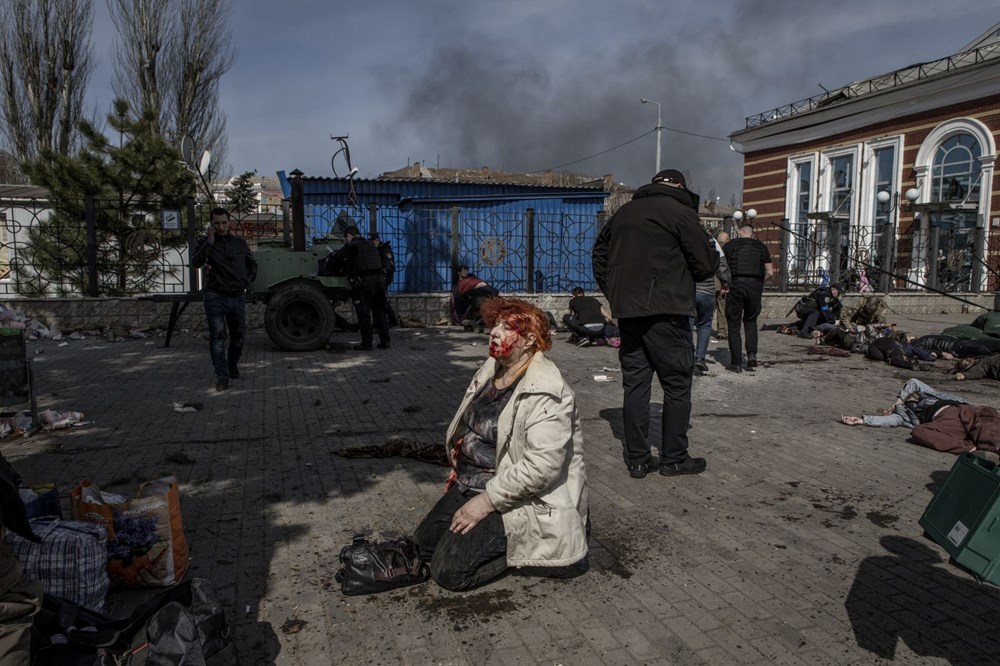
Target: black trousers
371	304
461	561
743	304
660	344
580	329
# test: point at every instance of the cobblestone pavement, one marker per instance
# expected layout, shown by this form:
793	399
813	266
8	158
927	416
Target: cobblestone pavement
800	544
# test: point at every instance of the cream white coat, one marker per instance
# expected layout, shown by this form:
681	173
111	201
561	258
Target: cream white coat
540	487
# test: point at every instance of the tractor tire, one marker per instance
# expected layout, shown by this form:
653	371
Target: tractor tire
299	317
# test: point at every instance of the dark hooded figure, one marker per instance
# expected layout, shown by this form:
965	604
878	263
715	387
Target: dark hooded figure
820	307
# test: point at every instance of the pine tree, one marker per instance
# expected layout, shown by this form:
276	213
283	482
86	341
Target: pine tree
131	183
241	195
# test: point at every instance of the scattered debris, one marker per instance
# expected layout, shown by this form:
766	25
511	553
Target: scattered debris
293	626
185	407
397	446
180	458
53	420
602	378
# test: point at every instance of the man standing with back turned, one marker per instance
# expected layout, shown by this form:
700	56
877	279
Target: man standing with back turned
750	264
646	260
229	269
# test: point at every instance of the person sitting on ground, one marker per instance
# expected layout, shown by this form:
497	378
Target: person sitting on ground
867	313
589	321
957	347
471	293
822	306
517	492
978	368
940	420
898	350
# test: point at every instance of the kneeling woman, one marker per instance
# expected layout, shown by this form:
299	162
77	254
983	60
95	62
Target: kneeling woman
517	492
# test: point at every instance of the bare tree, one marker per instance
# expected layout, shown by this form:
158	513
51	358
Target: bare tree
46	60
199	54
144	28
170	58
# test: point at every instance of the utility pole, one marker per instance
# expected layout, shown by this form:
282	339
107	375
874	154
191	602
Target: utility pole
659	130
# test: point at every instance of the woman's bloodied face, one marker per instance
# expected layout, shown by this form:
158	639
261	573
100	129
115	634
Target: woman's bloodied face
507	345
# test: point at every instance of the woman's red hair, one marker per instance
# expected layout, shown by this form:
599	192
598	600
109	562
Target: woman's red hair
521	316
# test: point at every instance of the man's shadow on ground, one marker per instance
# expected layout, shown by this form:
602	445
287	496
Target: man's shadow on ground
906	595
615	419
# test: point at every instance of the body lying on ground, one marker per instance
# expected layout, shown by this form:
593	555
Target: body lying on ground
939	420
961	348
979	368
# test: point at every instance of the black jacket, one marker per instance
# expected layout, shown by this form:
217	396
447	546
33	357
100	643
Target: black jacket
356	259
232	266
822	299
649	255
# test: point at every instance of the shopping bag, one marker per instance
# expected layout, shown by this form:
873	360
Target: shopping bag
146	544
70	562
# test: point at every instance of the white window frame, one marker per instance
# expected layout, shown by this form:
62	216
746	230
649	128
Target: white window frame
923	167
826	187
792	202
868	186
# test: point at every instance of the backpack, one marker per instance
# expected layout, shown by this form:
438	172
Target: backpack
182	625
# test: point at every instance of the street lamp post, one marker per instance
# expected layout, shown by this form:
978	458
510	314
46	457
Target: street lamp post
659	130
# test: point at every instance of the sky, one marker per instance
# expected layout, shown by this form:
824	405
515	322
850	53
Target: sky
528	85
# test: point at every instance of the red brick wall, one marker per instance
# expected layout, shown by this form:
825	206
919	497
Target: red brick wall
765	178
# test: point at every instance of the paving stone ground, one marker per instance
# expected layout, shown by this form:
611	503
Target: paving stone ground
799	545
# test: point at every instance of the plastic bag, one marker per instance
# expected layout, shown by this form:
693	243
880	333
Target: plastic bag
53	420
146	543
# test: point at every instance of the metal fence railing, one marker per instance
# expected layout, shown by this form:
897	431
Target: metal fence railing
100	250
946	254
95	247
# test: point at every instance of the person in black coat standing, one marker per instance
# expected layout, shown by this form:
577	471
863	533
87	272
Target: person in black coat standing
750	264
359	260
646	260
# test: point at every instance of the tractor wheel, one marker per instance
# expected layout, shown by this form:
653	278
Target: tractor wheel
299	317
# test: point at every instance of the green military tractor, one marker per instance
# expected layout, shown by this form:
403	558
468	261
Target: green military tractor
300	303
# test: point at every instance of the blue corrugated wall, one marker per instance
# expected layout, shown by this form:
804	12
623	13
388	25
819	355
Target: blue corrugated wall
491	229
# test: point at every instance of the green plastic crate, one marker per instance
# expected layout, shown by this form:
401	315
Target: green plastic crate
964	516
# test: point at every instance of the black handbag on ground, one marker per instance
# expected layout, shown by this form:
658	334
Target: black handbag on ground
368	567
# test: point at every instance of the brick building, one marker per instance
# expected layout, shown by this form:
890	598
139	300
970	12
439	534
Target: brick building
886	183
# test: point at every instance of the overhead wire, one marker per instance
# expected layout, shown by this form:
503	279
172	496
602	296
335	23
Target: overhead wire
622	145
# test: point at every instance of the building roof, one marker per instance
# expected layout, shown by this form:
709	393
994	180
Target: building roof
984	49
23	192
485	175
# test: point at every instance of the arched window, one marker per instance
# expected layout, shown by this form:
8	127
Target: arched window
955	175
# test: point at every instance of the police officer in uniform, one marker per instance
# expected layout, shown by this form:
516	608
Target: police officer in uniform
750	264
359	260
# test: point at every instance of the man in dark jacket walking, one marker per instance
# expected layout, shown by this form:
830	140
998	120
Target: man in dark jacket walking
750	264
359	260
646	260
229	269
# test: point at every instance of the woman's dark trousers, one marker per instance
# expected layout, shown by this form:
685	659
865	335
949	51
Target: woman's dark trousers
461	561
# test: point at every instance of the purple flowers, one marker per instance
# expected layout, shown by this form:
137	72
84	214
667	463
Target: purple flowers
133	537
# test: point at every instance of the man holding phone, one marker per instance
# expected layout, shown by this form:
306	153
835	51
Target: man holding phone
229	267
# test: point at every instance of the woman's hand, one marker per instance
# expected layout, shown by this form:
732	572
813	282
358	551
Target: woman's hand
470	513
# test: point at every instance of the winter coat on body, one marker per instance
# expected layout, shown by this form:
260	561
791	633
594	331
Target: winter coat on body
986	368
649	256
540	486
